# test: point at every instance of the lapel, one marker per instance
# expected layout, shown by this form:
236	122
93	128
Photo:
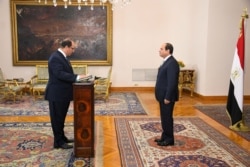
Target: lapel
67	62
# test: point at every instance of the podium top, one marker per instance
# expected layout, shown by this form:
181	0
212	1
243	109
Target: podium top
84	83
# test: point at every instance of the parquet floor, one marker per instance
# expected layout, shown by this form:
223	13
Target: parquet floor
184	107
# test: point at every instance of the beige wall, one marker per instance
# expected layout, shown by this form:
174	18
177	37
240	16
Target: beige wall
204	34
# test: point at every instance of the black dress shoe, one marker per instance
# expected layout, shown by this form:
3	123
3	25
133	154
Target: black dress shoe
158	140
165	143
69	141
64	146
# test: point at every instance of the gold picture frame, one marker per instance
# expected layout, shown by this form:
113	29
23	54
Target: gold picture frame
38	29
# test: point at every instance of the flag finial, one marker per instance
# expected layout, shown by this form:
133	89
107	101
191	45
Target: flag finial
244	15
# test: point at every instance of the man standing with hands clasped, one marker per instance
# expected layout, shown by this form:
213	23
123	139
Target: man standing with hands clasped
166	93
59	91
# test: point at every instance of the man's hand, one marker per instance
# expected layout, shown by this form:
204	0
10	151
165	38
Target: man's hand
166	101
84	77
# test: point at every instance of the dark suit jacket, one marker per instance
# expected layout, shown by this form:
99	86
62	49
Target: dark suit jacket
61	77
167	81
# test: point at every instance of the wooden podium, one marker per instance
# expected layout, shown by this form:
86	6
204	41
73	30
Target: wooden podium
84	119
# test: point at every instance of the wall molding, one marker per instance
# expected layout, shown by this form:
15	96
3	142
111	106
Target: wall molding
134	89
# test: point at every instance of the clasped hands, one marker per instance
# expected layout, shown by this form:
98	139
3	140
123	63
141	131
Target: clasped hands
166	101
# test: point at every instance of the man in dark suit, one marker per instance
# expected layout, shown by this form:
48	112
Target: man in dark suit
166	93
59	91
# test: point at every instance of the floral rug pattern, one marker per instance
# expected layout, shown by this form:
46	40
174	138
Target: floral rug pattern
118	104
196	144
31	144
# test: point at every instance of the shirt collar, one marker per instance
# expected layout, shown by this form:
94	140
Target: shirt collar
167	58
60	50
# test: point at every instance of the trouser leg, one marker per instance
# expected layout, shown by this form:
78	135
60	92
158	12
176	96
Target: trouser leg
58	112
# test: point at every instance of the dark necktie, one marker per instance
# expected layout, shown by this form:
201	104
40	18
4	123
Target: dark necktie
68	61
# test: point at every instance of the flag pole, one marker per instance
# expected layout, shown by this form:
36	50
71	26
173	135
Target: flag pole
241	126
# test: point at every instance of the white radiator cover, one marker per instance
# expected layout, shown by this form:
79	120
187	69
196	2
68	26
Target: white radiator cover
144	74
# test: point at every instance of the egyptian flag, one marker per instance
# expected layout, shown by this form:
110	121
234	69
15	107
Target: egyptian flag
235	95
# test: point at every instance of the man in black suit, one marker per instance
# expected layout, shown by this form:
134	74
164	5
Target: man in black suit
166	93
59	91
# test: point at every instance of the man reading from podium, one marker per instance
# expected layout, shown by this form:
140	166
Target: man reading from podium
59	91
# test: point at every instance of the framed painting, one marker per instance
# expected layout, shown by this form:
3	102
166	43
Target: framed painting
39	28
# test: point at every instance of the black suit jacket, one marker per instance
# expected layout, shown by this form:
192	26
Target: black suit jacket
167	81
61	77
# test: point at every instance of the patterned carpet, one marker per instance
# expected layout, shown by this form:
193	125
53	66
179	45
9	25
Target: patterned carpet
219	114
118	104
31	144
196	144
